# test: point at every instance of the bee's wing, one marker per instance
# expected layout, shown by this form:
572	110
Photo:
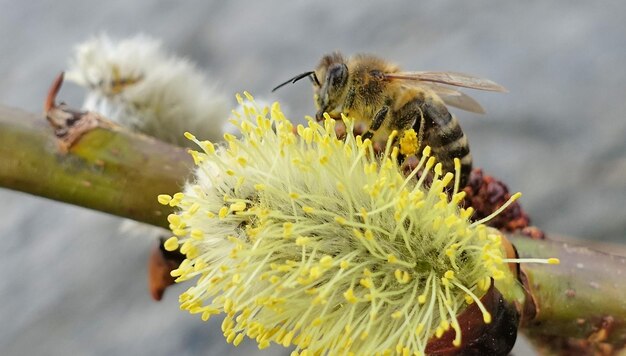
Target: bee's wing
455	98
448	78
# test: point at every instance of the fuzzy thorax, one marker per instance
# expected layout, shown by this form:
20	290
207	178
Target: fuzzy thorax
304	239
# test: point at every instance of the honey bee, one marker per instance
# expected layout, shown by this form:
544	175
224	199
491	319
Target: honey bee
378	95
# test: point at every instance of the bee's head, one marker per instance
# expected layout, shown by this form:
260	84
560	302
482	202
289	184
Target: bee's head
331	91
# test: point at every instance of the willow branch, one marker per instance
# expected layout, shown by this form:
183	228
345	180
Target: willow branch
107	169
584	297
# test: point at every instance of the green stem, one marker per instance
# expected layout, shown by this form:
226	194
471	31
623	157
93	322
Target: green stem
110	170
578	298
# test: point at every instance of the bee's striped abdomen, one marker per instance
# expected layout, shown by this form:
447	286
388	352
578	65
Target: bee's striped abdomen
443	133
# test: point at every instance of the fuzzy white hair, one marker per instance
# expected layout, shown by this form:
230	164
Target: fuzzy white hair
137	84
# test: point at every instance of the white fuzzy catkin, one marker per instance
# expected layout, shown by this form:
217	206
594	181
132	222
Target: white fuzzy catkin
137	84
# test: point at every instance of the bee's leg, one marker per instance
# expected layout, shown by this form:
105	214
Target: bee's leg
377	122
420	131
408	116
347	105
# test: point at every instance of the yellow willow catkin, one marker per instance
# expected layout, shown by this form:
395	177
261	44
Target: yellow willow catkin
308	240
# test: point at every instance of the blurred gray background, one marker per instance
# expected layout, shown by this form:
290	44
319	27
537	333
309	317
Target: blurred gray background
73	284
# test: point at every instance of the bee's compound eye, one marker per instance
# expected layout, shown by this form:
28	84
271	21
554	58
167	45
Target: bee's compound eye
337	75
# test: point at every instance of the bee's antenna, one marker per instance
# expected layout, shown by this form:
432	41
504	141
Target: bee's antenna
313	78
310	74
